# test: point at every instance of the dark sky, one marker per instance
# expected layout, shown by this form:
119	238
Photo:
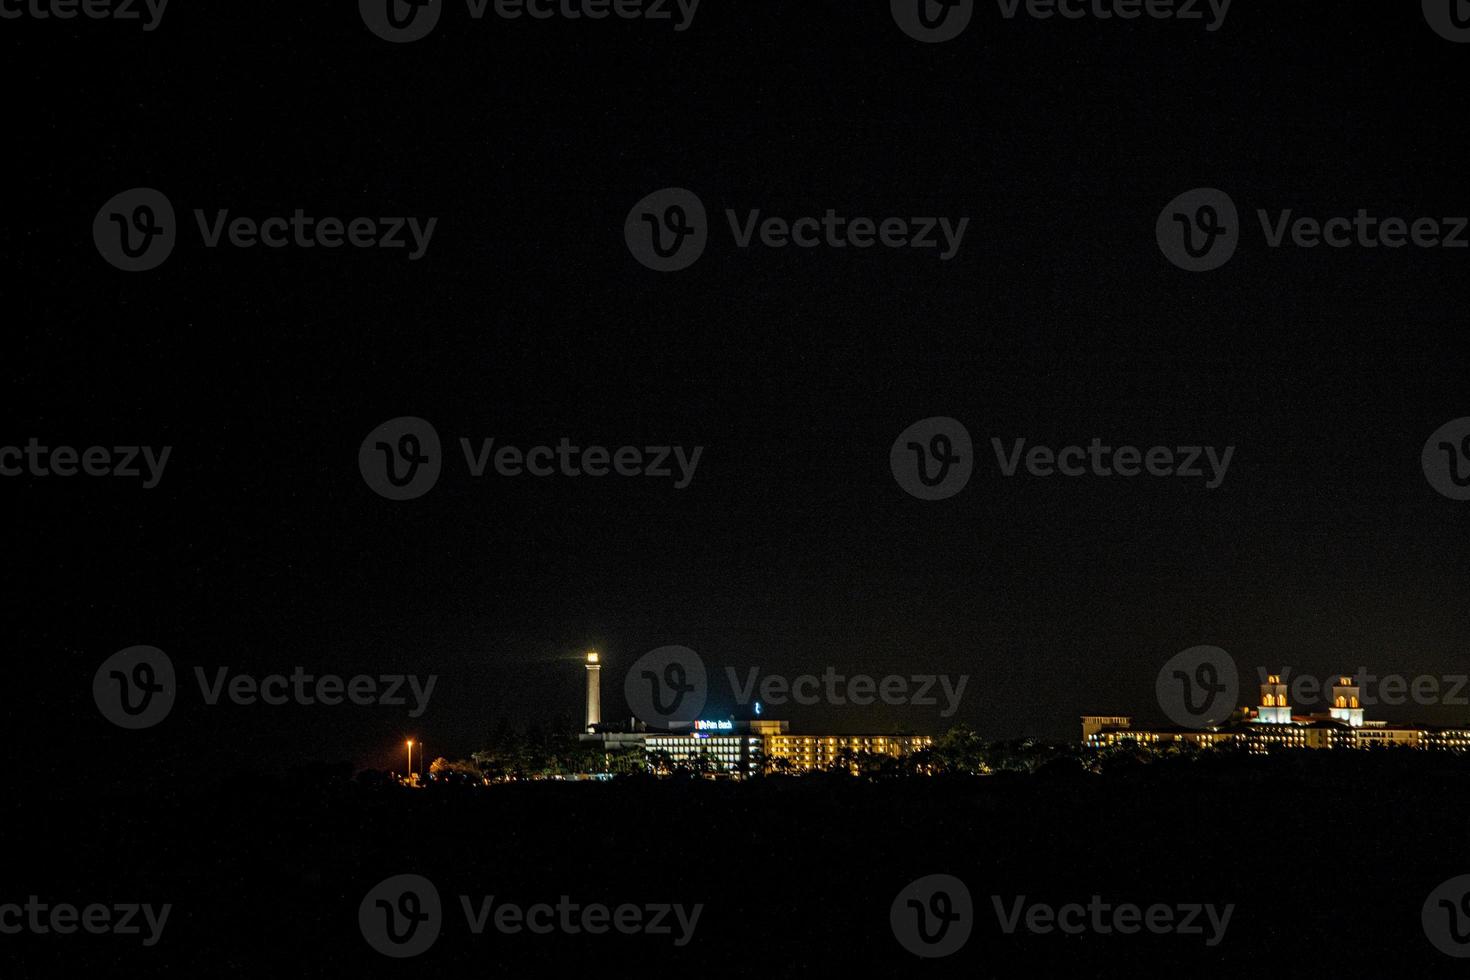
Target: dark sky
793	549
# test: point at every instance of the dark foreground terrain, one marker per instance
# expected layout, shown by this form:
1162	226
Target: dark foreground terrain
1327	860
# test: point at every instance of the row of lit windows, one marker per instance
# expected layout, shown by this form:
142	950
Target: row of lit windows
1448	740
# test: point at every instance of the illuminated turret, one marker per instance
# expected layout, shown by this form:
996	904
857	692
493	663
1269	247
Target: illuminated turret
1345	704
1275	708
594	690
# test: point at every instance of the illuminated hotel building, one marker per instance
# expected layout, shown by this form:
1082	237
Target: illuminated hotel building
1271	724
1345	706
747	747
738	747
726	746
821	751
1274	709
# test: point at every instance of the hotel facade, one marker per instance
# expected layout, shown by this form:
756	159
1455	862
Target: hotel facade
1272	724
735	747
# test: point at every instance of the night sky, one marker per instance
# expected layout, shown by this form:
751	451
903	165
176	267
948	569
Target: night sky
528	320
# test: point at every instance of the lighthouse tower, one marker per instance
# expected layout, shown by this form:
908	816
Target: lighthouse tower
594	690
1274	709
1345	704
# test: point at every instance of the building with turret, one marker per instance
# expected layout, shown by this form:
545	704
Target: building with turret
731	746
1272	724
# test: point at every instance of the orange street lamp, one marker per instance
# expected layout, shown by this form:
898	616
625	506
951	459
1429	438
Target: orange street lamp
410	759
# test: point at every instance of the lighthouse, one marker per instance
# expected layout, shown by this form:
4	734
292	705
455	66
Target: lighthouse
594	691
